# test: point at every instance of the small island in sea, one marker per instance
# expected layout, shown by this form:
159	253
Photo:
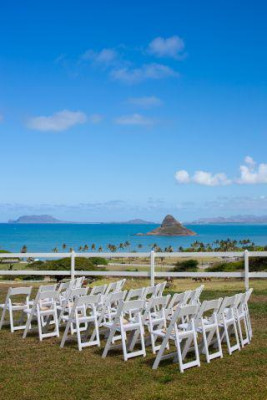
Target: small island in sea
170	227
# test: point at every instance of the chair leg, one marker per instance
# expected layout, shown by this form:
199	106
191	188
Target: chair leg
160	352
28	325
65	335
3	316
11	319
109	342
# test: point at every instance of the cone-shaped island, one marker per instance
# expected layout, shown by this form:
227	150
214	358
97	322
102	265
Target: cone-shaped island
171	227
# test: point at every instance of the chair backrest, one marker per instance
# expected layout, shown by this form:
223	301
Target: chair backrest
98	289
120	284
87	300
178	299
20	291
51	295
248	294
111	288
78	282
135	294
75	293
195	295
181	314
47	288
157	306
150	291
227	306
133	305
63	286
160	289
208	309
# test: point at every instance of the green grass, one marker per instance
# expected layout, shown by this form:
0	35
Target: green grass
30	369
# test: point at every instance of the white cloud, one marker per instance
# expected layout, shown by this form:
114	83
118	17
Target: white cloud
145	102
106	57
169	47
59	121
202	178
134	119
250	173
182	176
146	71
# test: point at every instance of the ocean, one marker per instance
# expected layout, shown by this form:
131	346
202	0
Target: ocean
45	237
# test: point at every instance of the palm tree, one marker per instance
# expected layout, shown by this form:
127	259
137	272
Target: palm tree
24	249
121	246
86	247
71	249
93	247
80	248
140	246
64	246
100	249
55	250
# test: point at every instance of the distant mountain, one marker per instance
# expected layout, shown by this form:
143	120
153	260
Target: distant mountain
138	221
35	219
170	227
235	219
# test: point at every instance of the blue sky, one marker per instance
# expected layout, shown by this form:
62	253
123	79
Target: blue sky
116	110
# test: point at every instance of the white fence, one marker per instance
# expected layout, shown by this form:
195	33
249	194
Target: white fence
151	273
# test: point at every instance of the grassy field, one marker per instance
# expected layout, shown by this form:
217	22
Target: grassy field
33	370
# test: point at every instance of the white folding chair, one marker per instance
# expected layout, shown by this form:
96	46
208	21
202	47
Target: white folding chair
179	335
121	324
150	291
11	305
247	314
241	319
154	318
67	305
206	323
227	322
83	313
111	288
45	310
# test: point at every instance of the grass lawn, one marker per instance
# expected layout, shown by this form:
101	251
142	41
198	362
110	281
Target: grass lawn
30	369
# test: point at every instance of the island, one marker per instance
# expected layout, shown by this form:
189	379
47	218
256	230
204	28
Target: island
170	227
35	219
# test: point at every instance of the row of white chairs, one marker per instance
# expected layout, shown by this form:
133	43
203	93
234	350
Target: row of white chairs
126	317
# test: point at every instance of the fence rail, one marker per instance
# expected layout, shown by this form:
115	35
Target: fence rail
151	273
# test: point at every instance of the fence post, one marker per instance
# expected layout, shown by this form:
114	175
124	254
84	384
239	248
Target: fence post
152	268
72	264
246	264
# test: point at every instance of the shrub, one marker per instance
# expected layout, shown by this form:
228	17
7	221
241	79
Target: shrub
227	266
258	264
186	266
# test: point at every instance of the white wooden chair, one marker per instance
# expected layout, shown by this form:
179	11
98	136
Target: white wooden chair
241	319
11	306
83	312
67	303
120	324
227	323
206	323
78	282
150	291
246	309
178	335
154	318
44	309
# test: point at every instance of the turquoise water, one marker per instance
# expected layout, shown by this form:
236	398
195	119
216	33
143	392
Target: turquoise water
41	237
